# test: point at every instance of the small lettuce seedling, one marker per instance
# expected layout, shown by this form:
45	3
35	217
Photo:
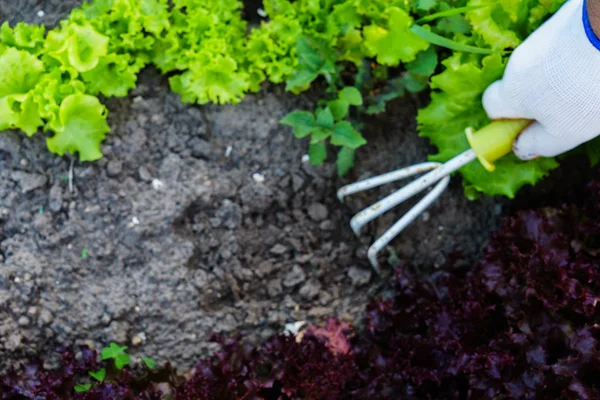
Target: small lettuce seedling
148	362
329	122
99	375
116	353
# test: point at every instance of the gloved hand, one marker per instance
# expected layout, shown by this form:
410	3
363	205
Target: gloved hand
553	77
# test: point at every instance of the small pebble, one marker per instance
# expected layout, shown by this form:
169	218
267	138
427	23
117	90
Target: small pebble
258	177
359	276
318	212
46	316
144	174
278	249
114	168
228	151
23	321
41	13
157	184
261	13
305	158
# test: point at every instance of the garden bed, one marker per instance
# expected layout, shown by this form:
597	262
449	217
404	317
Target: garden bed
171	236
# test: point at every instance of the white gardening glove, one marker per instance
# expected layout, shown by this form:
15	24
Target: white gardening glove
553	77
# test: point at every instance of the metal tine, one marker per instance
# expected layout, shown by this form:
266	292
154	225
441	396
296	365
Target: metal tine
406	219
384	179
416	186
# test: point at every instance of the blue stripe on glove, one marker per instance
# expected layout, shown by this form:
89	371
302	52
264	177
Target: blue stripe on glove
588	27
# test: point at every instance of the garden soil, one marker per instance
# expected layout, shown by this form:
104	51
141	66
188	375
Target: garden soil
200	219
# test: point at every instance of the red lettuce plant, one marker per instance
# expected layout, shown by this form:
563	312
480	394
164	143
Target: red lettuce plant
522	323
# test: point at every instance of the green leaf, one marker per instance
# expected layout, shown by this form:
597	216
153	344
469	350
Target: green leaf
508	177
308	55
302	122
19	73
493	22
116	353
217	80
396	42
424	64
325	118
344	134
414	83
449	13
150	363
99	375
339	109
301	79
23	36
393	89
345	160
122	360
115	75
79	47
438	40
317	153
80	128
82	388
84	253
351	95
320	134
315	58
426	5
20	111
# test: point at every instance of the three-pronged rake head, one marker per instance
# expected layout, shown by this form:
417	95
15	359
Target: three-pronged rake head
438	175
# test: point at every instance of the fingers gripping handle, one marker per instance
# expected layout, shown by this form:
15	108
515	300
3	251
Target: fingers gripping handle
495	140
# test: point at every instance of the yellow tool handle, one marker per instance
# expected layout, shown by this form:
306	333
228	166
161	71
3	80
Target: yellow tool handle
495	140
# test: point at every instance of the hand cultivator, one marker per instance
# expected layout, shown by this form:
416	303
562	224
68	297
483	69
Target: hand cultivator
487	145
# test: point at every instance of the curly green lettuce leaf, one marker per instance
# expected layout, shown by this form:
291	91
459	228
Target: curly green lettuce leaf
80	127
130	24
154	15
23	37
377	11
217	80
505	24
455	106
272	48
395	42
19	74
77	47
115	75
53	87
541	11
205	44
20	111
495	23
